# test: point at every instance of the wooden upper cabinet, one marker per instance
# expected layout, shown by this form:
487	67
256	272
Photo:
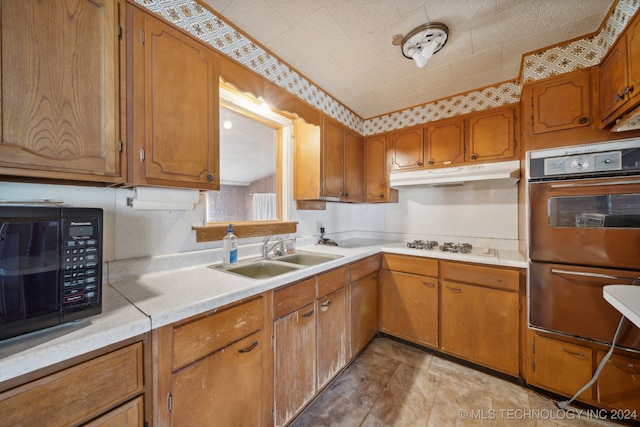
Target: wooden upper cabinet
60	89
562	102
353	167
620	75
445	142
332	159
376	172
407	149
175	107
492	135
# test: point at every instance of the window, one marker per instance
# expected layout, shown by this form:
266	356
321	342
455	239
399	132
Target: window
254	142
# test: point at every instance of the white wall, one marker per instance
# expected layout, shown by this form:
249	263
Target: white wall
476	210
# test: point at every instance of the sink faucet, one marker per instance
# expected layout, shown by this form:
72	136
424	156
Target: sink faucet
266	249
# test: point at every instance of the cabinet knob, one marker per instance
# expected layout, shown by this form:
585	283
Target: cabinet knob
474	157
419	163
431	162
583	120
210	177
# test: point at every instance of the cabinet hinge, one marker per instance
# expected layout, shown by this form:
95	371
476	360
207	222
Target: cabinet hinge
273	415
533	348
169	402
120	146
119	31
142	37
533	366
142	154
146	424
273	342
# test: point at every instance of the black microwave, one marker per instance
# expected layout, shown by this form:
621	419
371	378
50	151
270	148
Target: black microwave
50	266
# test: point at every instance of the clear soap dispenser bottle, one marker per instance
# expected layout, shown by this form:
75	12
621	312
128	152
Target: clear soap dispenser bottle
230	248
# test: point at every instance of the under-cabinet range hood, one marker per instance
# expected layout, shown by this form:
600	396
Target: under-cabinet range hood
630	121
458	175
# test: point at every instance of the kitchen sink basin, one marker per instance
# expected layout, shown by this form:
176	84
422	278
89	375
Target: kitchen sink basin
266	268
307	258
262	269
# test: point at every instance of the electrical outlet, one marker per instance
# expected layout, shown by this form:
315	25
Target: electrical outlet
319	226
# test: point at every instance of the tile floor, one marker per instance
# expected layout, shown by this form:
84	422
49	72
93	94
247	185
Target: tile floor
394	384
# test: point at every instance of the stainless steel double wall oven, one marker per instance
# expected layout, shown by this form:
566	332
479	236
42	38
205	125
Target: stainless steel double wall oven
584	233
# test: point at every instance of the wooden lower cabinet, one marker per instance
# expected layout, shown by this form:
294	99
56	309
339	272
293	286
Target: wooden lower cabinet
618	385
331	335
99	389
410	307
481	325
222	388
215	368
295	362
561	367
363	295
480	314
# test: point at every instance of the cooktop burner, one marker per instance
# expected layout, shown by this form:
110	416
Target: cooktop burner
464	248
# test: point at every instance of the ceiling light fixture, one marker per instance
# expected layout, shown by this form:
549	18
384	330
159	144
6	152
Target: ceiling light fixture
422	42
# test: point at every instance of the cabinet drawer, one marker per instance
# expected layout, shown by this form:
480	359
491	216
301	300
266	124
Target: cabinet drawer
130	414
332	281
293	297
410	264
618	385
77	394
363	268
205	335
562	367
494	277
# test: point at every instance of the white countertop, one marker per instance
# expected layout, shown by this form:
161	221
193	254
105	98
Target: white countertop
152	300
27	353
625	299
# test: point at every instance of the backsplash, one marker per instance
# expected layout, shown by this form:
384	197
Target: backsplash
225	38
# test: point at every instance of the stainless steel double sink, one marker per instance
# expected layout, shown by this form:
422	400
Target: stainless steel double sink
266	268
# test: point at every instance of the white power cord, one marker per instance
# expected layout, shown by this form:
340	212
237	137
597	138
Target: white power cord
565	403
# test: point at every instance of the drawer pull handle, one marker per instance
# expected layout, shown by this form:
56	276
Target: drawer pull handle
454	289
624	366
248	349
325	305
429	284
573	353
308	314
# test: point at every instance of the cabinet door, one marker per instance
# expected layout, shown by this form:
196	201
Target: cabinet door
407	149
60	89
633	58
332	159
376	169
332	335
295	362
562	102
130	414
223	389
353	167
175	107
613	80
481	325
562	367
364	312
492	135
445	143
410	307
618	385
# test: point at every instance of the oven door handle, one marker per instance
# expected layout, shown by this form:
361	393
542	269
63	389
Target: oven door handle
593	184
595	275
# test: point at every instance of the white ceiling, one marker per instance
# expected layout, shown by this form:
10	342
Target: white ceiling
344	46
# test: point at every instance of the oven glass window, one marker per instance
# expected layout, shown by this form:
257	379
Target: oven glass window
28	269
595	211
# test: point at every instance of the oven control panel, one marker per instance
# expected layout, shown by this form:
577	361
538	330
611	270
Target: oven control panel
583	163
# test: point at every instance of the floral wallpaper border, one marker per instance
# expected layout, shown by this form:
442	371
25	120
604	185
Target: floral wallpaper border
211	29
